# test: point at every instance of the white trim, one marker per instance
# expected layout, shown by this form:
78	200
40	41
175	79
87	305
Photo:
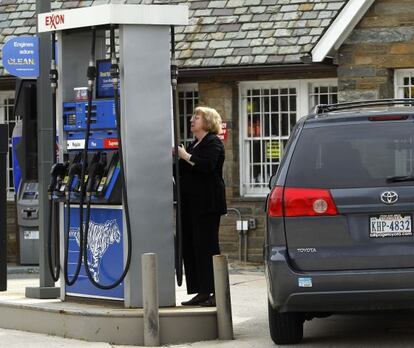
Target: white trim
113	14
340	29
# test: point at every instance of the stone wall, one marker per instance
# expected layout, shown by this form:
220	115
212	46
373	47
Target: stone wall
12	249
381	42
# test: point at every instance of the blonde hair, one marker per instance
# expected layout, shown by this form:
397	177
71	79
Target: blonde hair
212	119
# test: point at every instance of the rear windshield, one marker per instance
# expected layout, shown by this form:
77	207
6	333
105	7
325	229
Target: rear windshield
353	155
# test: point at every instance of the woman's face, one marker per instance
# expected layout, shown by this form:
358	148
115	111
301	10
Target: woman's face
197	123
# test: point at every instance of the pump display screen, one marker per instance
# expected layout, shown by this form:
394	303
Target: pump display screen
29	195
104	88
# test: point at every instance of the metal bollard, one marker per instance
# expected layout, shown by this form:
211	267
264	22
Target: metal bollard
150	300
223	302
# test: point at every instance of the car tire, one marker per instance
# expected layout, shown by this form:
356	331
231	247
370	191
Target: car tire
285	328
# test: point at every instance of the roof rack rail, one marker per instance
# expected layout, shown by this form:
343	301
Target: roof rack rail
322	108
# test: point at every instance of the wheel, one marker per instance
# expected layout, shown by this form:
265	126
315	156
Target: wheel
285	328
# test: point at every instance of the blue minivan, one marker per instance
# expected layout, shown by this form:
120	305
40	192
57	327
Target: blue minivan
339	233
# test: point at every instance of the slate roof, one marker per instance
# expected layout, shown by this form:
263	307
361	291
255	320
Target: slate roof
220	32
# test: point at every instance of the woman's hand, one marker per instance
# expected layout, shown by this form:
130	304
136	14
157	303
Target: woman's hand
183	154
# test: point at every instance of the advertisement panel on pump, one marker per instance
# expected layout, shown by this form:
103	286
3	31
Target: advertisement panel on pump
105	245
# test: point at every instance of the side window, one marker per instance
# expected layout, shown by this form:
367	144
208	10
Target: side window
323	93
187	101
404	83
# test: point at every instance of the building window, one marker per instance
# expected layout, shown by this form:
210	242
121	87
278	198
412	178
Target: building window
323	94
404	83
7	117
269	112
187	102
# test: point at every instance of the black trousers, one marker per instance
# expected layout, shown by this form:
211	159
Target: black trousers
200	243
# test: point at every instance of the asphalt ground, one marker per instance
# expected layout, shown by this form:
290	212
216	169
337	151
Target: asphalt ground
249	309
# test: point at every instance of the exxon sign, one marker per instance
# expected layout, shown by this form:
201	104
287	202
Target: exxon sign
53	20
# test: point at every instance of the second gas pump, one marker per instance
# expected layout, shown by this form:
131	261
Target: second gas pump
110	190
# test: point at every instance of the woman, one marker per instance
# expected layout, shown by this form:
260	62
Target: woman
203	202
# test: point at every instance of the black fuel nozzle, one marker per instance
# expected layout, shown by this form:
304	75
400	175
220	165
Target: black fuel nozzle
96	172
74	170
57	175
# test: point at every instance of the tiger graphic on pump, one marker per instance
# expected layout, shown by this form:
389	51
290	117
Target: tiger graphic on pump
100	237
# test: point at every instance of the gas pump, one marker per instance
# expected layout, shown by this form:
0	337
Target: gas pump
114	152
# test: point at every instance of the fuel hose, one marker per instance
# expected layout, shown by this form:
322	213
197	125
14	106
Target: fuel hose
178	223
114	70
53	230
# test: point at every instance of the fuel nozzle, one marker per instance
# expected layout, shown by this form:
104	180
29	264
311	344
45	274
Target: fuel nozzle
74	170
95	173
57	175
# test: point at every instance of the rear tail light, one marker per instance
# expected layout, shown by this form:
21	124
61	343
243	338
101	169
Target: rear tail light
301	202
275	205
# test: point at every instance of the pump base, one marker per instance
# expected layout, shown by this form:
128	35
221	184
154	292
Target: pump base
99	323
42	292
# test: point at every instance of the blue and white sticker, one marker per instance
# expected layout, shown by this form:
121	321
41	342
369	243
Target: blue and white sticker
305	282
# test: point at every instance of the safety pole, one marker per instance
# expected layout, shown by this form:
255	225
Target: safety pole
150	300
223	302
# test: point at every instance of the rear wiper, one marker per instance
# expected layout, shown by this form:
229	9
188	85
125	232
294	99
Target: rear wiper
400	178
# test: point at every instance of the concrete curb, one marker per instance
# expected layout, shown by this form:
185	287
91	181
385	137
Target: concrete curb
22	270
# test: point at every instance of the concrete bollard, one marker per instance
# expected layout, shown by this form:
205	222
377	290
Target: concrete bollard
223	302
150	300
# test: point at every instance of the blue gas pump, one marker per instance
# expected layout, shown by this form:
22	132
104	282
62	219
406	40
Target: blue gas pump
104	219
90	191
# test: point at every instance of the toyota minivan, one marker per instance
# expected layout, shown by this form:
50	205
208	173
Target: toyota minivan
339	229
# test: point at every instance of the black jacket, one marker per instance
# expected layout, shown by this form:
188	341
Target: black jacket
203	182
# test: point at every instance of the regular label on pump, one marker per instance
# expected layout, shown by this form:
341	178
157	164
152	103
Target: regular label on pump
78	144
105	253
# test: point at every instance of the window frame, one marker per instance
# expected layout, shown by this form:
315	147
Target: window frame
399	75
4	97
188	87
304	91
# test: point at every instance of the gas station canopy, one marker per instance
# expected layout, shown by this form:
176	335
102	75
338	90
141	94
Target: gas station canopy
113	14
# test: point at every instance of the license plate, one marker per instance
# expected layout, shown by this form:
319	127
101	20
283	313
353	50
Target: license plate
390	225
